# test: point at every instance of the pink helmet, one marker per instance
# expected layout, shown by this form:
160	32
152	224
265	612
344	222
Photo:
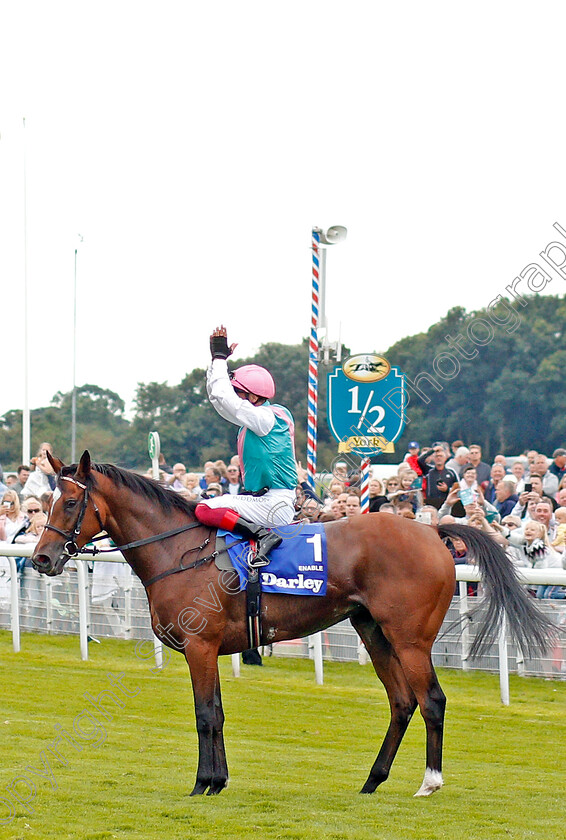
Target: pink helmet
255	380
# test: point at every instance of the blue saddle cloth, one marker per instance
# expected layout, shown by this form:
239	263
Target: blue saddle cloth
297	567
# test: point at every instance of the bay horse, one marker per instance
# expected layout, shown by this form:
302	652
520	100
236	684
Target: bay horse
392	577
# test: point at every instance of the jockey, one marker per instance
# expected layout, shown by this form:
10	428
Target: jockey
265	446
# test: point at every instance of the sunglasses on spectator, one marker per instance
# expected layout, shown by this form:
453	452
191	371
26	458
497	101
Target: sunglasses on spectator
34	510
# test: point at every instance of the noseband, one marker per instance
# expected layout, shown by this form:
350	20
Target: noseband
71	548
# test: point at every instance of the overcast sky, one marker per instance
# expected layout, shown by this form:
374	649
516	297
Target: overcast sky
194	145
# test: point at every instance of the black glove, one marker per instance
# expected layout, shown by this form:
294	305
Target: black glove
219	347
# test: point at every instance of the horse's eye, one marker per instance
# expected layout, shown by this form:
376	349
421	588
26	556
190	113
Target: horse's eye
70	503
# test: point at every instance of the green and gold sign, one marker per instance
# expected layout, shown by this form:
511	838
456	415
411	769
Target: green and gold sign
359	414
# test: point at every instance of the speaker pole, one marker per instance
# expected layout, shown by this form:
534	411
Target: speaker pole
333	235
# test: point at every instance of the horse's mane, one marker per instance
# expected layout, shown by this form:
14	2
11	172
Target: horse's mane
151	490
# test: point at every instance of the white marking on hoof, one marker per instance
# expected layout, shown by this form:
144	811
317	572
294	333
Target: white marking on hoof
432	781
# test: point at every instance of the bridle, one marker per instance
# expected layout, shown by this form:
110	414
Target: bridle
71	548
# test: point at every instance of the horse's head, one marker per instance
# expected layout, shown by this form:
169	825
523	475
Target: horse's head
73	519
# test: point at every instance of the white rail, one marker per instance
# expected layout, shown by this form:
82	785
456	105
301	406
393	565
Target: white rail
464	574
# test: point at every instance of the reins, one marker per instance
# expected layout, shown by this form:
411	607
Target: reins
72	549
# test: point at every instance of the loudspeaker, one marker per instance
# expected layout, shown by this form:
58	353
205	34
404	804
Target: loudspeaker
334	234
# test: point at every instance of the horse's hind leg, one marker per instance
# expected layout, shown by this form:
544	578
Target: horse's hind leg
421	676
402	700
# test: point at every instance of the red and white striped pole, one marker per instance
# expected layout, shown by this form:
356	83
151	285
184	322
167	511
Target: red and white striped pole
365	484
312	393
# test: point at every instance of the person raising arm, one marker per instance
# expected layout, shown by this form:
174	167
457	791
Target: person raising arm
266	450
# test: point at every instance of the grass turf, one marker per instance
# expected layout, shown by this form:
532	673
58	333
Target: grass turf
298	753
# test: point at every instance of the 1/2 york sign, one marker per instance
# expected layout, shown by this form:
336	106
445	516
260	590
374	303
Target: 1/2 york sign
358	416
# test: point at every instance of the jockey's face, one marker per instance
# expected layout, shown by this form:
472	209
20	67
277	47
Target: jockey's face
253	398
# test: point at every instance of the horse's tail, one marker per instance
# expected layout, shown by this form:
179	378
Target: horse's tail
528	627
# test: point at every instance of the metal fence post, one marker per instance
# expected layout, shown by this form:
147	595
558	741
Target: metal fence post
503	662
82	582
14	604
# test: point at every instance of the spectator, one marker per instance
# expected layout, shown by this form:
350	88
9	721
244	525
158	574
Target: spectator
353	506
309	510
549	480
428	514
535	551
511	523
354	480
33	531
482	469
207	465
439	480
544	513
336	487
561	495
212	475
505	497
531	494
221	466
559	541
478	518
387	508
558	466
340	471
31	506
518	470
304	491
459	461
191	485
234	479
23	473
455	445
530	456
11	517
412	454
338	506
212	490
469	480
501	459
459	552
376	497
392	485
42	479
497	475
405	509
538	509
175	480
407	493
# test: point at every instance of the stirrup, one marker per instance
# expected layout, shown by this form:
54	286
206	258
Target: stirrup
253	561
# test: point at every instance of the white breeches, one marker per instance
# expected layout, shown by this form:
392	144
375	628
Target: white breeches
276	507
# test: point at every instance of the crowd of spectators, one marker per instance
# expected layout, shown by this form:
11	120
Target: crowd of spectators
520	502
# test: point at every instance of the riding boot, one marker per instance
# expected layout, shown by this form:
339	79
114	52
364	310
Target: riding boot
265	539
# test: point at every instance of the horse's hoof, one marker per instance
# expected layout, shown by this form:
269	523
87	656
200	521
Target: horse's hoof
215	789
369	787
199	789
432	782
373	781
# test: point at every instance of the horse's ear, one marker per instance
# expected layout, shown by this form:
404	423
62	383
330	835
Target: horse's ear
83	470
56	463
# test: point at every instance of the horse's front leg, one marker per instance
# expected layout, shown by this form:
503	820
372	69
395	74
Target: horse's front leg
212	772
